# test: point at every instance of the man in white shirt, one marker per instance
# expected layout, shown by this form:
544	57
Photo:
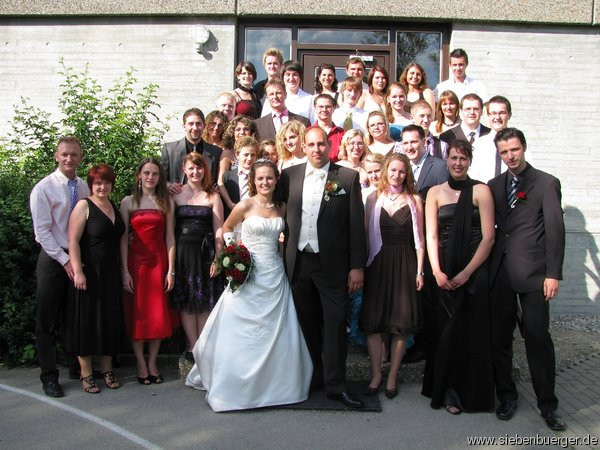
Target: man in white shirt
51	203
296	101
470	129
459	82
349	116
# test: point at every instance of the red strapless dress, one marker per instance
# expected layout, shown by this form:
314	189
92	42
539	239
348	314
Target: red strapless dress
147	313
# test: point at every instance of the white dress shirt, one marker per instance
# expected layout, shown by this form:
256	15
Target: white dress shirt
50	203
359	117
467	131
312	195
300	103
469	86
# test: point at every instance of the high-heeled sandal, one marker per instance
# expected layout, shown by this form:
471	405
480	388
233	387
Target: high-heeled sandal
373	390
455	411
89	384
110	380
156	379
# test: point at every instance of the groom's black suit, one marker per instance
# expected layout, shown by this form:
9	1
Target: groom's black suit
320	281
529	247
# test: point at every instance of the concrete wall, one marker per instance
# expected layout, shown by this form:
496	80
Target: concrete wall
551	75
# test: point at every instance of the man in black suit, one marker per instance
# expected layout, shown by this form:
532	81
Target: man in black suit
174	152
325	254
526	263
268	126
470	128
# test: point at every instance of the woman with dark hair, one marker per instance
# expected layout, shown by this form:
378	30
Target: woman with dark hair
199	238
216	122
148	264
95	315
415	78
251	352
459	217
326	82
378	82
446	113
394	268
247	102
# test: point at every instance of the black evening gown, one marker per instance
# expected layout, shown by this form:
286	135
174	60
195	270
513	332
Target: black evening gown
94	324
459	369
390	294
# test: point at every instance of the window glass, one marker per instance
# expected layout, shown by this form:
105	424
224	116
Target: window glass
422	47
323	36
260	39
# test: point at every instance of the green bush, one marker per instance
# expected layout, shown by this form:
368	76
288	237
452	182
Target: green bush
117	126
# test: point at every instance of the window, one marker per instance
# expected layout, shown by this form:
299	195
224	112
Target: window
259	39
421	47
325	36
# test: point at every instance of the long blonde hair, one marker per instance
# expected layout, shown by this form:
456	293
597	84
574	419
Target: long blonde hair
295	127
408	185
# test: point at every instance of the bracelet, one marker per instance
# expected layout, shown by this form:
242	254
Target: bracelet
171	273
421	273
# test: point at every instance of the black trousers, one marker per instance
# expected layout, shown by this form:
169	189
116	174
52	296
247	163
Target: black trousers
538	342
53	287
321	305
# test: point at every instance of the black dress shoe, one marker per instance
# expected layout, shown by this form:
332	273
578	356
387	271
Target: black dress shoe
52	388
506	410
553	420
347	400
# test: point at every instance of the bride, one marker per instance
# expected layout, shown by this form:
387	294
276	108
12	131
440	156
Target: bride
251	352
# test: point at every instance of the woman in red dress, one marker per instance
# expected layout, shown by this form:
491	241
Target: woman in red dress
148	259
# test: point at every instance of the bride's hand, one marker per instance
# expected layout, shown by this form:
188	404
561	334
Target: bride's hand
214	270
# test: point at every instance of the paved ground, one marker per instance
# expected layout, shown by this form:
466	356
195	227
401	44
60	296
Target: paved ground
173	416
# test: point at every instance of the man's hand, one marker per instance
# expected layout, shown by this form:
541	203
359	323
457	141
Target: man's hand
355	280
550	288
69	269
175	188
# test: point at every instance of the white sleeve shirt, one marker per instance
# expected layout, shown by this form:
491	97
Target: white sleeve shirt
312	195
50	203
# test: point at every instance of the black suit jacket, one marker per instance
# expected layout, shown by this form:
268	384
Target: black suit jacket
266	130
433	172
530	238
457	134
174	152
340	225
231	181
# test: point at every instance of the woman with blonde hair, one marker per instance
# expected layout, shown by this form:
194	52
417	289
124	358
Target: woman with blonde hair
395	112
289	140
415	78
353	150
379	140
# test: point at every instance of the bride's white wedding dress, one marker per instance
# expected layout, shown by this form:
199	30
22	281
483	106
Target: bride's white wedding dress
251	352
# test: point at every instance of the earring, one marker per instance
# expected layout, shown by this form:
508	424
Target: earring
139	185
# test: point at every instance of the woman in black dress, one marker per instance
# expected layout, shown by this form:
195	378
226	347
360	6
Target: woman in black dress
394	268
95	315
460	234
198	237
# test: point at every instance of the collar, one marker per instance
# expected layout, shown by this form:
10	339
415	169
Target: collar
283	113
521	175
420	161
310	170
468	80
468	131
63	178
190	147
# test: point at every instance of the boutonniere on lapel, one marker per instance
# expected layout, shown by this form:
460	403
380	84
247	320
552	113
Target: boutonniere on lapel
332	188
520	197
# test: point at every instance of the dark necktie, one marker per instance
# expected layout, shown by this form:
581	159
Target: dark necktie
471	137
73	189
512	192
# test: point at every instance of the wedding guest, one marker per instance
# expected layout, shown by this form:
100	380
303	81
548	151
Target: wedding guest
51	202
459	217
289	144
268	149
226	104
272	61
422	114
95	313
446	113
527	262
379	140
415	78
327	83
239	127
235	181
396	115
378	82
349	115
297	100
355	68
216	122
148	265
353	150
470	128
199	239
394	268
372	164
247	102
459	82
324	105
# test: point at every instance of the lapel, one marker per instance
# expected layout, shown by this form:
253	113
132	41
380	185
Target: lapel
427	164
332	175
499	192
180	152
295	190
459	134
528	181
271	125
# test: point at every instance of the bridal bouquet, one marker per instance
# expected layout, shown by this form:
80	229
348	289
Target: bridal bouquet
236	262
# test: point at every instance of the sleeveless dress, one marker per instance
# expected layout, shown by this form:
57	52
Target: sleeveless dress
195	292
459	369
390	294
95	316
251	352
149	313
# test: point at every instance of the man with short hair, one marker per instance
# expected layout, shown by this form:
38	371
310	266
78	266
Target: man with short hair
268	126
525	269
174	152
51	203
296	100
470	128
459	82
226	104
349	115
355	68
422	115
323	106
272	61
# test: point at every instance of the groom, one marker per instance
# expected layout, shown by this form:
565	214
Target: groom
325	253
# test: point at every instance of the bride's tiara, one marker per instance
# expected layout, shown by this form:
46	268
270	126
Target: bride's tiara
263	160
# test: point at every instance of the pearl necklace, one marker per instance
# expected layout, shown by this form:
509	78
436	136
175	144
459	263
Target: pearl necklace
266	205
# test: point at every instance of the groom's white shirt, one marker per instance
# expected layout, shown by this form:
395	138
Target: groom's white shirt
312	193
